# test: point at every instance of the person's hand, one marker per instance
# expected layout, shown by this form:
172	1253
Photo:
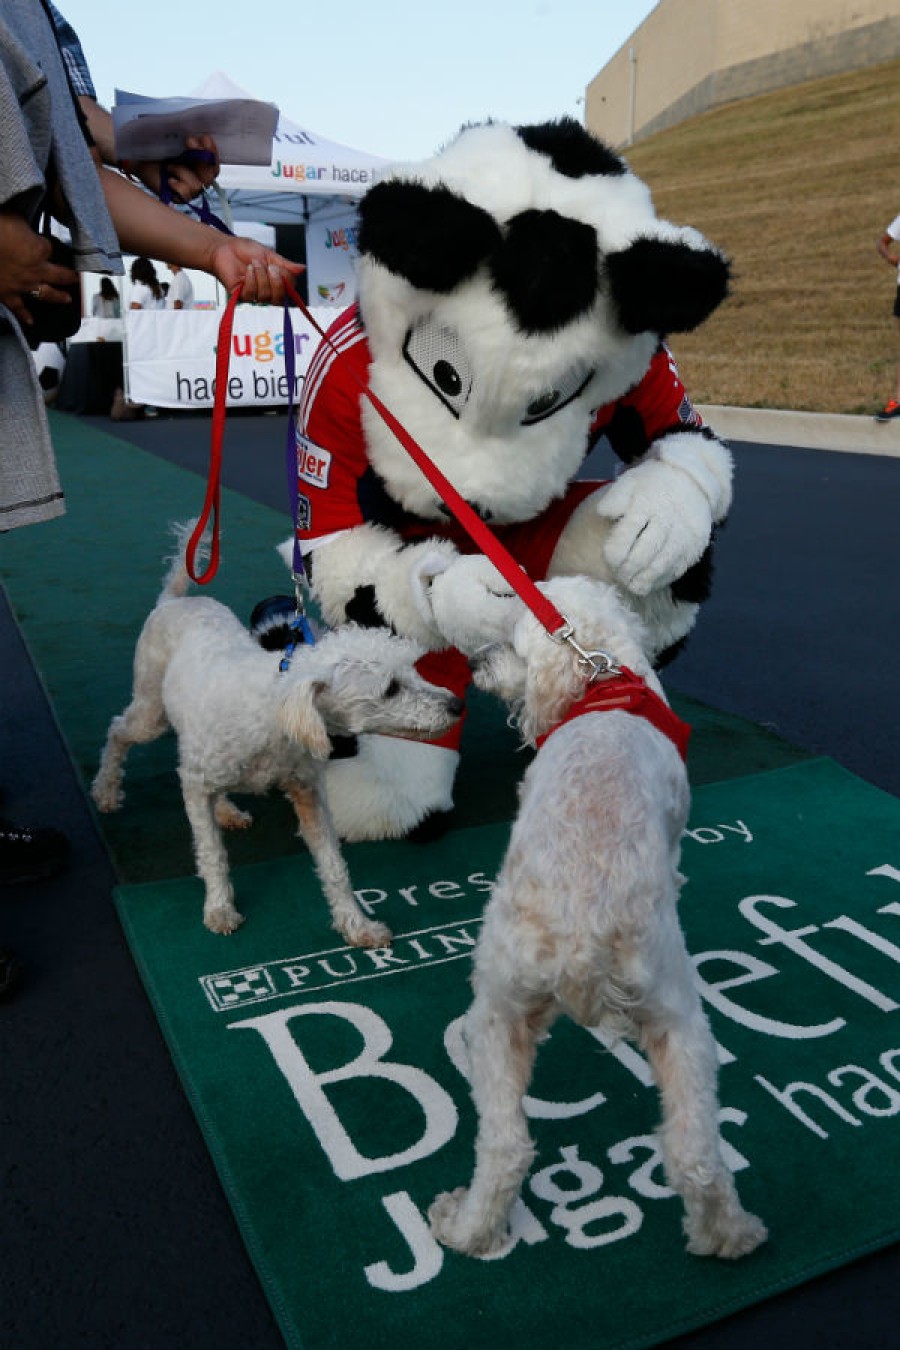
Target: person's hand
235	261
26	270
186	181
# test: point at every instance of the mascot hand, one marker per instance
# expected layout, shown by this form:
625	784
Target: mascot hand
421	564
663	511
473	604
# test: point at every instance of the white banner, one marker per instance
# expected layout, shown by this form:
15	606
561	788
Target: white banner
331	254
170	356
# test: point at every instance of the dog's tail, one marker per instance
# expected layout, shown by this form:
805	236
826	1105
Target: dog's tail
177	581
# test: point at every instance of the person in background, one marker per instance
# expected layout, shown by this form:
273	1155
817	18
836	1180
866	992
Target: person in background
106	303
146	292
887	247
49	161
180	294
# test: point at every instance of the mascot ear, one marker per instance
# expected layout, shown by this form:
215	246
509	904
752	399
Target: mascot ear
571	149
429	235
663	286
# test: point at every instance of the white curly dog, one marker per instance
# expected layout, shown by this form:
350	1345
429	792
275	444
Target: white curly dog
244	725
582	919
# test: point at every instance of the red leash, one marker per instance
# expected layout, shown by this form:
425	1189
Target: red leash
214	479
487	542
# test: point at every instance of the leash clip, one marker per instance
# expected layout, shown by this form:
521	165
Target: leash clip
599	662
300	626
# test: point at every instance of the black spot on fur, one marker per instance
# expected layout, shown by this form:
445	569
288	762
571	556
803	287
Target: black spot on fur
363	610
626	433
661	287
546	270
429	235
668	655
344	747
572	150
434	826
376	504
695	585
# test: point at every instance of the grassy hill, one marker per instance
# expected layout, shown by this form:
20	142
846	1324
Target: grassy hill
796	187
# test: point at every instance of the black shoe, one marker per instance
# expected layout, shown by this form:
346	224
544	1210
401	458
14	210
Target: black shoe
27	854
10	972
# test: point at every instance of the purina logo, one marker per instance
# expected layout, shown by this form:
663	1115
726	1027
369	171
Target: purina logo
339	966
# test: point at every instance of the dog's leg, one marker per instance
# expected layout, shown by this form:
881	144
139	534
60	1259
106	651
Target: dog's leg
229	816
219	912
501	1044
142	721
682	1054
319	835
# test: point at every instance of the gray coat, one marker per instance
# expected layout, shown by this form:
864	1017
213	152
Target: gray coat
37	118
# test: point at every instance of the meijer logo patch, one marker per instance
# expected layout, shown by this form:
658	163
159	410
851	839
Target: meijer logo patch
313	463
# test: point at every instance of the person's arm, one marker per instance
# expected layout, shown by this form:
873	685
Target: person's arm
886	246
186	182
145	226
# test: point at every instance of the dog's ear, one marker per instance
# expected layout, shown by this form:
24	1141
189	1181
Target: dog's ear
300	719
551	682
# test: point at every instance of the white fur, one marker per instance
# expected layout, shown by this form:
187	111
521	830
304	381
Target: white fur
583	921
389	787
243	725
484	449
640	532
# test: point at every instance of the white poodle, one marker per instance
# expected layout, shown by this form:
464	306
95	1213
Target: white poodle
245	725
582	919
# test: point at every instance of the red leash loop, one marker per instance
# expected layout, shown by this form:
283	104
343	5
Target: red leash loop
214	480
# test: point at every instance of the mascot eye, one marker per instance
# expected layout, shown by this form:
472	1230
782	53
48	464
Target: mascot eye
551	400
438	357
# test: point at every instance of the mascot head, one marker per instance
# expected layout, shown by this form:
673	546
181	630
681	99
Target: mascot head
510	285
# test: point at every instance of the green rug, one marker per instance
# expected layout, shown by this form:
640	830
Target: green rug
324	1078
326	1081
82	586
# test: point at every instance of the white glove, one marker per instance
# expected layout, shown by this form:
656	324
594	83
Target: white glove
663	511
423	569
473	604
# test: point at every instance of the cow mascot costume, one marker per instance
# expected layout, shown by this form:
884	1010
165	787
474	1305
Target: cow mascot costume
515	292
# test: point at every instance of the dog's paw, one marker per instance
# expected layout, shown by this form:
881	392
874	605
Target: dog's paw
107	799
450	1224
222	919
739	1237
367	933
231	817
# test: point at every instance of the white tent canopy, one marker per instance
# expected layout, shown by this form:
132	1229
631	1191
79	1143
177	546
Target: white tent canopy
308	173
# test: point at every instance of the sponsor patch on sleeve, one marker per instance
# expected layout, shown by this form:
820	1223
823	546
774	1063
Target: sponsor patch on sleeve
304	513
688	414
313	463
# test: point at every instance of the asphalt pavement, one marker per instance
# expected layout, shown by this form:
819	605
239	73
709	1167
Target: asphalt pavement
115	1231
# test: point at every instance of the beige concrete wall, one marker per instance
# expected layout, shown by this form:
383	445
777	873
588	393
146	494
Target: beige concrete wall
689	55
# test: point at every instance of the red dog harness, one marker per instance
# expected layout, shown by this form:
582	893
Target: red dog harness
627	692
